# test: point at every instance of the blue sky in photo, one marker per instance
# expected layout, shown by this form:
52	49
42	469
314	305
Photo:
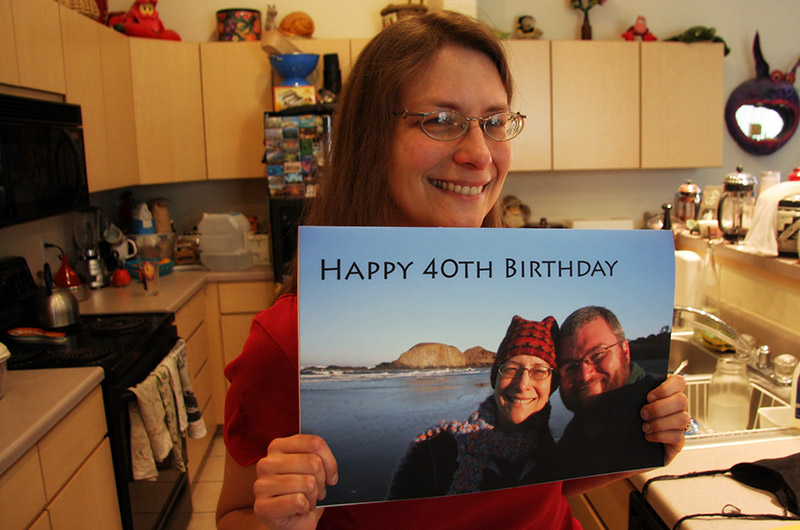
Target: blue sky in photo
386	289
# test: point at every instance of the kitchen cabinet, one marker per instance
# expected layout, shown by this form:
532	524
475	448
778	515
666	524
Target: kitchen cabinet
123	162
92	53
84	71
168	110
193	328
604	508
30	47
237	89
238	304
682	104
595	107
66	480
529	61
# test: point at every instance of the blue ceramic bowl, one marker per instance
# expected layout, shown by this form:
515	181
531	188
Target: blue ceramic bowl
294	67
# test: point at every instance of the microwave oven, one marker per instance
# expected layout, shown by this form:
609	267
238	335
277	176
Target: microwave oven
42	160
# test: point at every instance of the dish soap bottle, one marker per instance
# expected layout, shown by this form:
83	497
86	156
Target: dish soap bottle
729	396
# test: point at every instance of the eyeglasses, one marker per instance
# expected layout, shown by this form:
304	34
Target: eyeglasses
511	371
592	358
446	125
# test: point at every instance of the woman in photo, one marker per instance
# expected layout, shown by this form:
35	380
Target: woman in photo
421	138
507	441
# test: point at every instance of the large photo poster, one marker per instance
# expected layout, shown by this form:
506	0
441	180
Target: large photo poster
440	361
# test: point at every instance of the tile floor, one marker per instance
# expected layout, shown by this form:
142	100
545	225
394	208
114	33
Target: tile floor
197	512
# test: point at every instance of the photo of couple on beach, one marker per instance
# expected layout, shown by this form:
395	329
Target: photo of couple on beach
440	361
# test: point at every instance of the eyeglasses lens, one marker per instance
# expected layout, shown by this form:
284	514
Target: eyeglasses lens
449	125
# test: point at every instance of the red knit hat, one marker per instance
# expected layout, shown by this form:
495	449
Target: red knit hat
527	337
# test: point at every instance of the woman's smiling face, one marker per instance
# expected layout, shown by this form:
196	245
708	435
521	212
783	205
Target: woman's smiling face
519	397
456	182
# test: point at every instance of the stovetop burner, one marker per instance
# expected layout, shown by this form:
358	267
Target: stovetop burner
114	342
116	324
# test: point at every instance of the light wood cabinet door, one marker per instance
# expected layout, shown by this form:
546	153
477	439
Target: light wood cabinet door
235	329
84	73
236	91
37	35
22	495
123	161
71	441
529	61
595	88
89	500
9	69
245	297
168	105
682	104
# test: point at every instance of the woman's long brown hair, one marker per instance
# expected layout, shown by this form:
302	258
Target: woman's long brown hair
353	188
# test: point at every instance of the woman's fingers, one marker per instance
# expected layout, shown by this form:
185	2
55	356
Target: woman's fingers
291	479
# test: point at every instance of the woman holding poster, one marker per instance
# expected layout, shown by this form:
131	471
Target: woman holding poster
420	139
507	441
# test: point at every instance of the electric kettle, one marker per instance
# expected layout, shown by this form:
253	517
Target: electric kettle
736	205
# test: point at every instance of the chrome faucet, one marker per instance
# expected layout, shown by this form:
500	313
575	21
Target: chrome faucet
757	358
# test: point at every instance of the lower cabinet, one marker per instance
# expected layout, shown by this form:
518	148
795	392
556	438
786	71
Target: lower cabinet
66	480
604	508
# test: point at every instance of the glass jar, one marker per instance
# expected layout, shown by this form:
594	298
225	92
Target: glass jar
729	396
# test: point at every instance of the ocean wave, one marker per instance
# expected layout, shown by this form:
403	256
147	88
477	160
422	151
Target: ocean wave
313	373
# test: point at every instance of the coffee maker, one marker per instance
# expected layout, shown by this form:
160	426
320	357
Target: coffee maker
737	204
89	225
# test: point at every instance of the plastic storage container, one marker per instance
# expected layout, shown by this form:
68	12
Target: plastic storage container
729	396
223	241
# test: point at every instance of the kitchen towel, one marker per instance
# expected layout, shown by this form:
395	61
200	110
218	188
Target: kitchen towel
196	427
170	363
151	406
762	237
143	464
168	399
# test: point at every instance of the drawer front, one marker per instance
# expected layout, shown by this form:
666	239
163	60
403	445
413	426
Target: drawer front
245	297
189	317
71	441
89	500
197	350
22	492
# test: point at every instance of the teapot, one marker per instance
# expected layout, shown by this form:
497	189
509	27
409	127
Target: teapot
736	205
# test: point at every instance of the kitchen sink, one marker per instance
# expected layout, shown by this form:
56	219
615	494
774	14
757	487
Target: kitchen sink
767	397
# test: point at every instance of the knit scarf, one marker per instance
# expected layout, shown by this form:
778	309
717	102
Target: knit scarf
478	442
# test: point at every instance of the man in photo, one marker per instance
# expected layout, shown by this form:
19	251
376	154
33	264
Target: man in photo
606	392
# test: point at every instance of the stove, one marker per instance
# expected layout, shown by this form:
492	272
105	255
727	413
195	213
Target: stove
117	343
128	347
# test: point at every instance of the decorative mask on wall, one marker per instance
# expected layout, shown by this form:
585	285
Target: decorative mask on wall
762	113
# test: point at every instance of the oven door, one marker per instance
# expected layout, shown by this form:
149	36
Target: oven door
144	505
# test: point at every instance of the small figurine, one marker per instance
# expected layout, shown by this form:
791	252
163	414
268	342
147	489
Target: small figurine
700	33
526	28
142	20
515	213
272	15
639	29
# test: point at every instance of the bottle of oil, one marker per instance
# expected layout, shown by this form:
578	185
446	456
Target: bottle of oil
729	396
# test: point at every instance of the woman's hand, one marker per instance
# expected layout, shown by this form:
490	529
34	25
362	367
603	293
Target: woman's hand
291	479
665	415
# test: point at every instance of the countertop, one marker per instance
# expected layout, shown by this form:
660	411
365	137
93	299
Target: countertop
174	291
35	401
673	499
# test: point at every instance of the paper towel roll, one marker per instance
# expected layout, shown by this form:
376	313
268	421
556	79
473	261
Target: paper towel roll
687	272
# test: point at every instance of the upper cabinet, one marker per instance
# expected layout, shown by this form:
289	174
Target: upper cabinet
595	88
530	67
168	109
682	104
30	45
237	89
